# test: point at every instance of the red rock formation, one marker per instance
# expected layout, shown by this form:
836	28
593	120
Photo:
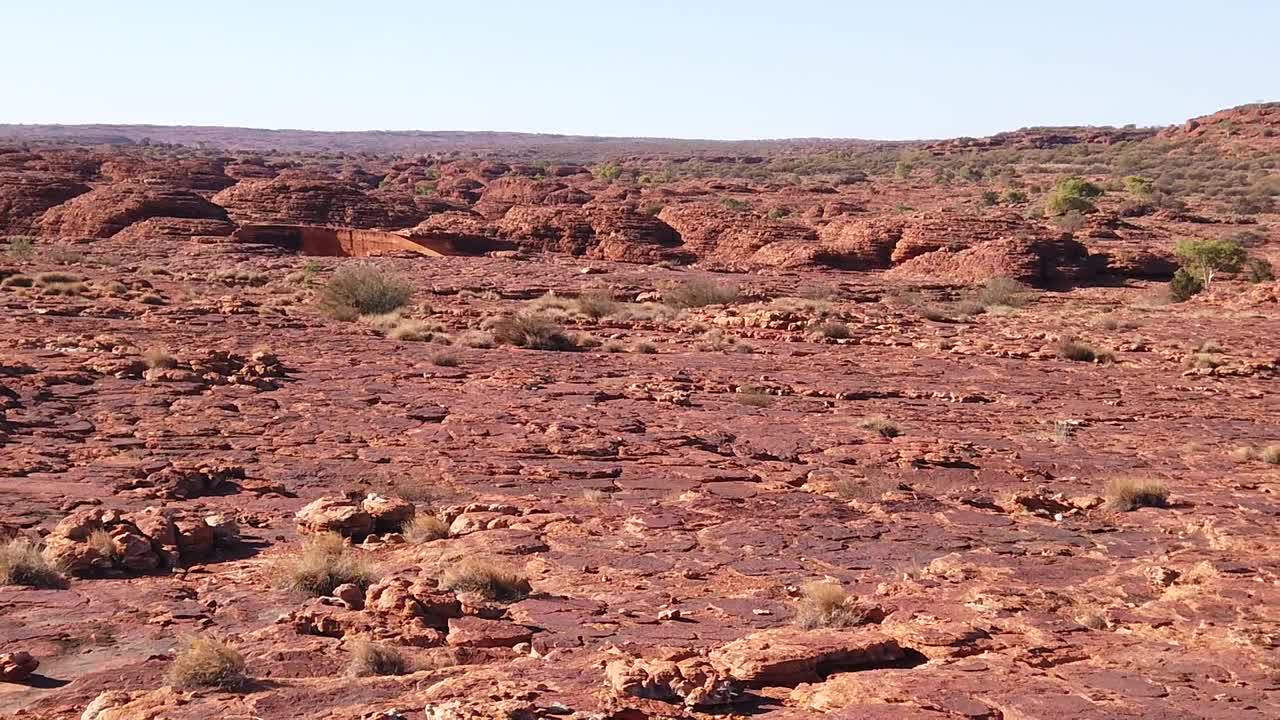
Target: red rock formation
107	210
613	233
731	238
24	197
1034	260
313	201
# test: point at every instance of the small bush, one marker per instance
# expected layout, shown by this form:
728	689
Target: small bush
613	346
596	304
476	339
1270	455
159	358
1128	494
22	563
445	359
487	580
21	247
827	605
1004	291
752	397
532	332
646	348
425	528
834	329
1014	197
411	331
882	426
324	563
57	278
1072	193
363	290
370	659
697	292
1070	349
208	662
1258	270
989	197
1184	286
735	204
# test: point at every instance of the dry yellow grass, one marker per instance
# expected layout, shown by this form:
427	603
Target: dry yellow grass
208	662
487	579
324	563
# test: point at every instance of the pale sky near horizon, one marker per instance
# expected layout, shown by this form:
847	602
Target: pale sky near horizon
728	70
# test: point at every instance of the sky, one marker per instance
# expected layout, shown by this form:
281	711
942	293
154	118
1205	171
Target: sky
897	69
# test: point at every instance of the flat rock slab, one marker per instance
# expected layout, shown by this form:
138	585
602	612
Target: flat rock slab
788	656
474	632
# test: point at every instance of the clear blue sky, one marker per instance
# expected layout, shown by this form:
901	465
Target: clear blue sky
693	68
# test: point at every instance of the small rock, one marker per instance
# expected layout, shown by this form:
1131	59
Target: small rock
16	666
350	595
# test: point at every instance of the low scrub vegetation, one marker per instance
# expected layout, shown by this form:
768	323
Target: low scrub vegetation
827	605
370	659
22	563
425	528
363	290
1004	291
207	662
1072	349
486	579
698	292
532	332
881	426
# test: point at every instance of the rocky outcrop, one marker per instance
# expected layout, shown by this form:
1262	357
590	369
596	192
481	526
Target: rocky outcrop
25	196
89	542
17	666
787	656
352	517
681	678
1036	261
1138	263
731	238
618	234
108	210
303	200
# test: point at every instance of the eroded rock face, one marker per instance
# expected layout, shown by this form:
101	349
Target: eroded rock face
107	210
617	234
25	196
167	229
1036	261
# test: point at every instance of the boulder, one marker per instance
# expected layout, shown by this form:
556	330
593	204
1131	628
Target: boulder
15	666
787	656
389	514
25	196
687	680
335	514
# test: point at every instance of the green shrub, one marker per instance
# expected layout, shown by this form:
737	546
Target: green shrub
1015	197
607	171
363	290
989	197
735	204
1137	185
1072	193
1205	258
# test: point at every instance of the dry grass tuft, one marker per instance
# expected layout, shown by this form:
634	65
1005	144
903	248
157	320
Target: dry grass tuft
1006	292
487	580
1070	349
445	359
425	528
754	397
827	605
159	358
22	563
1270	455
596	304
834	329
883	426
370	659
324	563
698	292
208	662
532	332
1129	494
